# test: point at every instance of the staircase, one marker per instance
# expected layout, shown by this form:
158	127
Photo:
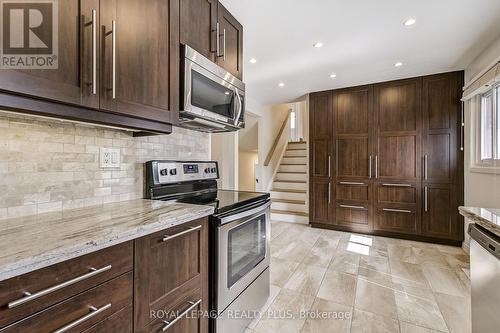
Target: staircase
289	192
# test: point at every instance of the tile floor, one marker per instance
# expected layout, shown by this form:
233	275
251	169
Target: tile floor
356	283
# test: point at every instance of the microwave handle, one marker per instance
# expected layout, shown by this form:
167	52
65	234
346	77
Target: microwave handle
240	106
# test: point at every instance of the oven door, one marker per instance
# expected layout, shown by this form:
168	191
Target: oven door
211	98
243	251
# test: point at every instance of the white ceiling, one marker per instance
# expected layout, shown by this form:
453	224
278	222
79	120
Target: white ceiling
363	39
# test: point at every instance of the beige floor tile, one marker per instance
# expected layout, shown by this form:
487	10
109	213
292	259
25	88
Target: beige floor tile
456	312
367	322
444	280
306	279
338	287
420	312
383	279
284	314
457	260
344	261
450	249
375	298
408	274
319	256
422	293
430	256
277	228
296	249
326	316
410	328
375	263
401	253
281	271
328	241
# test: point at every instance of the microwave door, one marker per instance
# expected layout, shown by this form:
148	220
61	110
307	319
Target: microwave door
238	107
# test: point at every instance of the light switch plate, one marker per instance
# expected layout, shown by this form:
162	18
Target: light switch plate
109	158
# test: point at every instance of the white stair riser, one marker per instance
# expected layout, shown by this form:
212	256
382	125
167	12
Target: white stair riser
297	145
292	168
288	196
294	160
291	176
290	218
289	186
295	153
302	208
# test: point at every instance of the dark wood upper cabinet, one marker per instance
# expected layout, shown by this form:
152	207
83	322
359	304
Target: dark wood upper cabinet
140	58
397	108
231	43
198	25
321	137
71	82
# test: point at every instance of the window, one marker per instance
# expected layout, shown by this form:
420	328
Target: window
488	131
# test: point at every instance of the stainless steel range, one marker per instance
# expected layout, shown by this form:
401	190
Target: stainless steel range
240	236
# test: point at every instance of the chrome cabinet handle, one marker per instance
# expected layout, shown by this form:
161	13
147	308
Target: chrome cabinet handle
397	210
352	207
94	51
30	297
187	231
217	40
425	198
329	166
462	127
396	185
224	44
329	193
425	166
370	167
172	322
376	166
93	312
351	183
114	32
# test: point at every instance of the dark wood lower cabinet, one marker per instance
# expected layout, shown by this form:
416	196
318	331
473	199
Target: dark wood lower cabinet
321	211
440	213
139	286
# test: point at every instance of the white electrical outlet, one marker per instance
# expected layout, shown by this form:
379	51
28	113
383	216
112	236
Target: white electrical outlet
109	158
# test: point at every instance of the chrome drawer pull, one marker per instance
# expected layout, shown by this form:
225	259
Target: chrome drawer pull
94	51
113	56
351	183
353	207
29	297
397	210
191	229
93	312
397	185
170	323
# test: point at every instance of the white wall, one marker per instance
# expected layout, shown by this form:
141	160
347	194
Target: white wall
481	189
224	149
246	170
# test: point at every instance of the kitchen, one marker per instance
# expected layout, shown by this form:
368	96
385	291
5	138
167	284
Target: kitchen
120	208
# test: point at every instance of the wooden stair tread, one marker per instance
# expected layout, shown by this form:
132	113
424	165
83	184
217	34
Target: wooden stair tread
295	149
296	202
296	142
288	212
287	190
290	181
294	172
293	156
293	164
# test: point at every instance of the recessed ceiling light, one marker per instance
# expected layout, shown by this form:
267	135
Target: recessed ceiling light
281	84
398	64
253	61
410	21
333	75
317	45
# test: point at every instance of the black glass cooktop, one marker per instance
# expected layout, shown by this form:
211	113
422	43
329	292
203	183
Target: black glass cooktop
224	200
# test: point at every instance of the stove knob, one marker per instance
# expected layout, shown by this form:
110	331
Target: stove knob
207	170
214	170
173	172
164	172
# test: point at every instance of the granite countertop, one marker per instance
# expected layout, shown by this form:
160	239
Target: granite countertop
488	218
34	242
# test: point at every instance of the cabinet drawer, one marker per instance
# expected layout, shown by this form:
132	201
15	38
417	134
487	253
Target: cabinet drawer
120	322
82	311
58	282
182	317
397	193
397	219
350	214
352	190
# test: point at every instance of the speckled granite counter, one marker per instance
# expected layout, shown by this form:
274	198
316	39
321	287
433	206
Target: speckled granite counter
488	218
33	242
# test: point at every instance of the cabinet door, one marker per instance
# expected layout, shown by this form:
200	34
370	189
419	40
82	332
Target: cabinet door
72	80
441	111
169	267
140	58
231	43
440	213
198	20
320	201
321	134
397	110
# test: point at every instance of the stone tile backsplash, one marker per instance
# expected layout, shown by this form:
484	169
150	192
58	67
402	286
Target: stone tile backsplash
51	165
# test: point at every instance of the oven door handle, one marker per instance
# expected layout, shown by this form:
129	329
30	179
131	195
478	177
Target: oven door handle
240	107
245	213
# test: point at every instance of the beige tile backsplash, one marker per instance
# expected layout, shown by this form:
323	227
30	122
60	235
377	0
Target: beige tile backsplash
50	165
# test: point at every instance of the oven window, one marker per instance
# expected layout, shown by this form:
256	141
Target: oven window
246	248
210	95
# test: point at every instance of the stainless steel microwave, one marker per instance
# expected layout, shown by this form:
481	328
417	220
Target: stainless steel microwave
212	99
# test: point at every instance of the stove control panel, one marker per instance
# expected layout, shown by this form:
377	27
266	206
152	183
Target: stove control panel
166	172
